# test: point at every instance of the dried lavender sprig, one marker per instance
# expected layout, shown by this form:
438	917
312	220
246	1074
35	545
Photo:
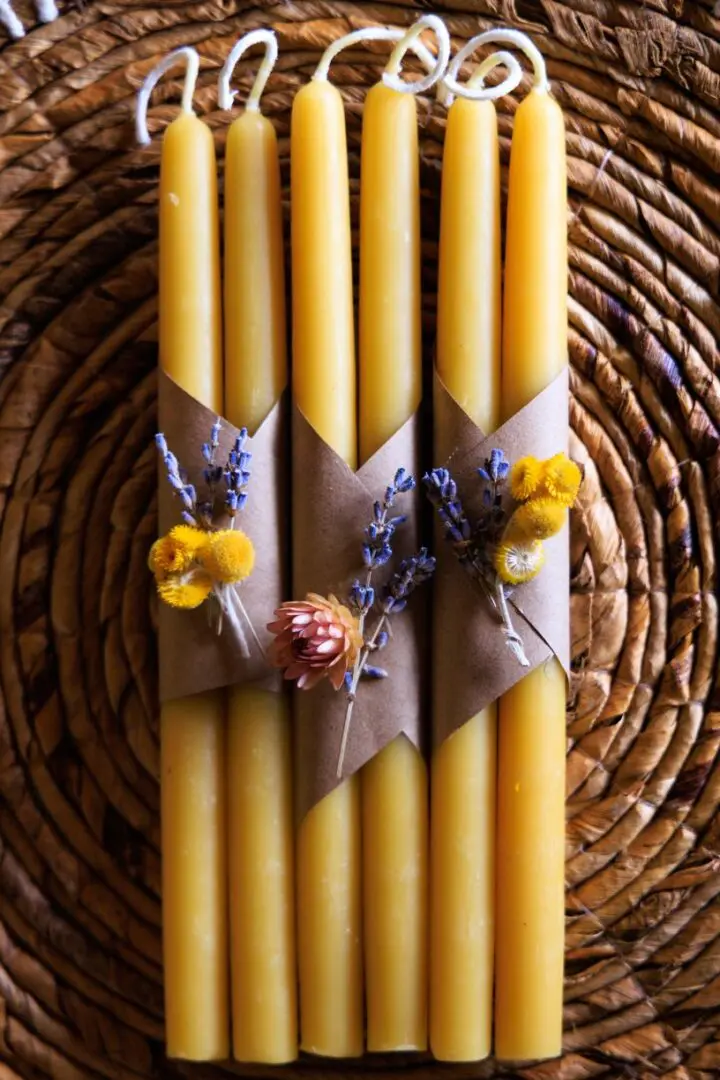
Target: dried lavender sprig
376	552
212	471
377	547
442	492
496	468
237	474
492	518
178	481
412	572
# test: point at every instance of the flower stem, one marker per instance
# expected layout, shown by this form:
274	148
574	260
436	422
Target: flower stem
360	662
357	670
363	657
514	640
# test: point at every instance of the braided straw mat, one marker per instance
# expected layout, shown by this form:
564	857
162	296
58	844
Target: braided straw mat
80	958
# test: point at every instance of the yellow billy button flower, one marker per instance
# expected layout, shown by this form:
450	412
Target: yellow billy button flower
561	479
537	519
525	477
191	537
518	561
229	556
185	590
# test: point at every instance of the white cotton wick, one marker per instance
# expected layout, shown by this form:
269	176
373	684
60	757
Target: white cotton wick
47	10
356	37
391	75
405	40
255	37
192	61
475	88
10	21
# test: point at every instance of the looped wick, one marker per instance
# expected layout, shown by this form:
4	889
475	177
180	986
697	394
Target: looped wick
410	40
475	88
192	61
47	10
255	37
405	40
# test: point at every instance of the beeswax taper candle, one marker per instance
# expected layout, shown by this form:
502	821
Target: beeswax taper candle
394	782
259	765
464	765
192	730
328	853
532	740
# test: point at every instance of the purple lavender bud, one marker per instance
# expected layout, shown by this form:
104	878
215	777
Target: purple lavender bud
371	672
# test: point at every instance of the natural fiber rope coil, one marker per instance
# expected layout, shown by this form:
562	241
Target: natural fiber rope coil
80	978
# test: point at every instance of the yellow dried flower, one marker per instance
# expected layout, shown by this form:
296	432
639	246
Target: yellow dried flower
537	519
518	561
175	552
525	477
168	556
191	537
230	555
185	590
561	479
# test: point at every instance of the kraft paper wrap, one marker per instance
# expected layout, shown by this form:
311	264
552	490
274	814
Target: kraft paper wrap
192	656
473	665
332	505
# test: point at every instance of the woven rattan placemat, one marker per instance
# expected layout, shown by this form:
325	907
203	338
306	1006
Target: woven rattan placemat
80	976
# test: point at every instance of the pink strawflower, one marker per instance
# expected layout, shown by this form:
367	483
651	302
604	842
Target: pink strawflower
315	638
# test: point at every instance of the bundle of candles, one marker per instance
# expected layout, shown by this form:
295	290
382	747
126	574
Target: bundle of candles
401	911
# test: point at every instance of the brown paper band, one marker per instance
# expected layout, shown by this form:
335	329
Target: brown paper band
192	656
472	663
332	505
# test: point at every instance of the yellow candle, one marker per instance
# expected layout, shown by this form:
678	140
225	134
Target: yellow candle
262	911
531	773
255	329
464	765
329	915
394	783
192	730
260	821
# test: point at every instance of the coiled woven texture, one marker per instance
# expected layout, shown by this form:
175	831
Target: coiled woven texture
80	975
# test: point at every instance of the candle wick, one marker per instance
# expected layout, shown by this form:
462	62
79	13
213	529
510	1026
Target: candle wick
475	88
264	37
192	67
405	39
10	20
410	40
